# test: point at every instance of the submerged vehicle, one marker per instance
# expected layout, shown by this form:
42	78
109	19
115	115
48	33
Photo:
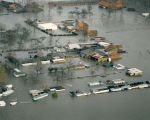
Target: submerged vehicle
40	96
56	88
82	94
125	87
115	89
78	93
18	73
8	92
100	90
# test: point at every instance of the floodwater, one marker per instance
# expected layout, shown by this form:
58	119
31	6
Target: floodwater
121	27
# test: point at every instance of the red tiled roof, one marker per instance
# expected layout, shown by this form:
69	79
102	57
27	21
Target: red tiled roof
104	3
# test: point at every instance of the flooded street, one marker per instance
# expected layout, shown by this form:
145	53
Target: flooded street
130	29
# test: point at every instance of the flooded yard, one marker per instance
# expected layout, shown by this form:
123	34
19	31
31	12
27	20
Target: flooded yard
130	29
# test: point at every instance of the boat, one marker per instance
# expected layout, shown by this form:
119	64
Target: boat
8	92
40	96
100	90
2	103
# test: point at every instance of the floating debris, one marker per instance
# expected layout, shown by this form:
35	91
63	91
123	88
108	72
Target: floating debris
2	103
13	103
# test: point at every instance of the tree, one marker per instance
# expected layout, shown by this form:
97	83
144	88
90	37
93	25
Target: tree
89	8
33	7
10	37
59	10
38	66
38	62
2	74
21	34
2	28
18	26
21	31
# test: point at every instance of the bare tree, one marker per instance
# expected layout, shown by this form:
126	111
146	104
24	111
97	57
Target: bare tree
39	65
2	28
19	33
10	37
59	10
33	7
89	8
23	35
2	74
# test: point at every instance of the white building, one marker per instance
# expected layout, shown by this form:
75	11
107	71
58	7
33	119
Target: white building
47	26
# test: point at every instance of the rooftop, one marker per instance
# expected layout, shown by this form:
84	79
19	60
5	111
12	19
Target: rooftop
47	26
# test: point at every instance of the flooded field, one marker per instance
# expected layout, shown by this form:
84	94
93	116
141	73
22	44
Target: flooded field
130	29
